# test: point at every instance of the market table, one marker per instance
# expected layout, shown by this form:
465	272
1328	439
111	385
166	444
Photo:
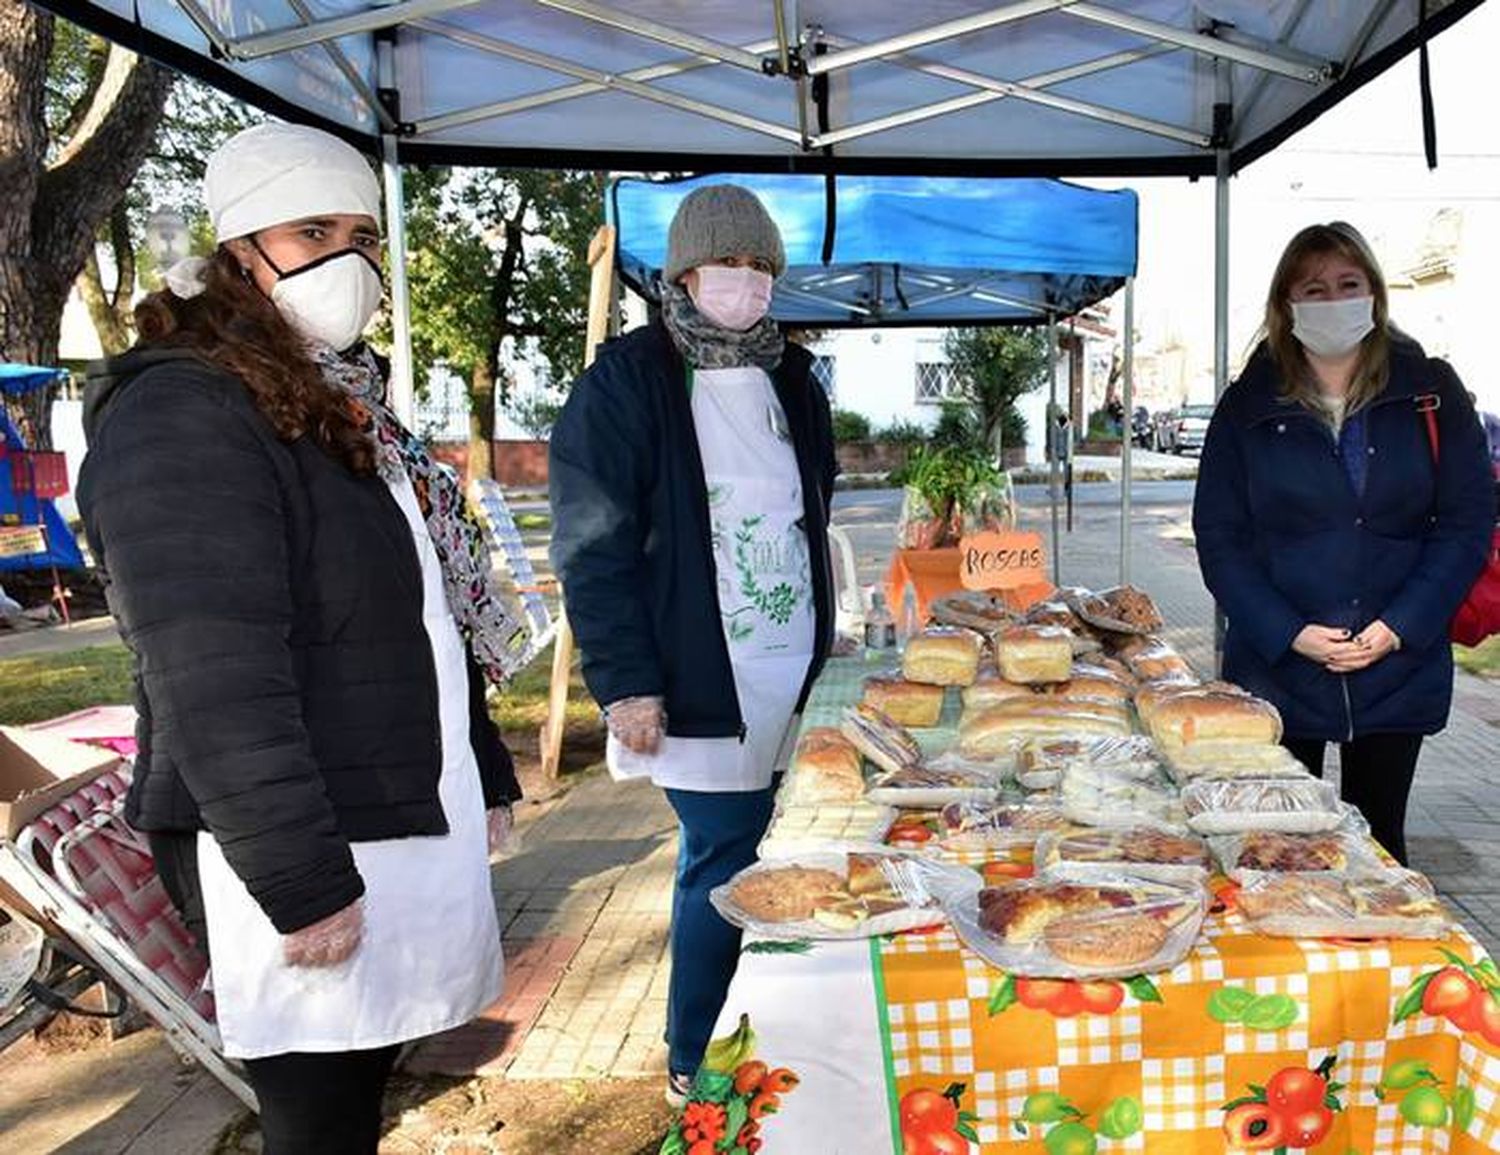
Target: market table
871	1025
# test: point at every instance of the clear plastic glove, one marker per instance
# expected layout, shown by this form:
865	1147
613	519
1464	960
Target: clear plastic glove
328	941
637	723
500	825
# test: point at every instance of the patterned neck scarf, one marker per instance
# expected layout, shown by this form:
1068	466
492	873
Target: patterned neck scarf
495	638
709	346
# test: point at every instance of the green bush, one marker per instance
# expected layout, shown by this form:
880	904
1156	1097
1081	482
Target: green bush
850	426
907	434
1102	426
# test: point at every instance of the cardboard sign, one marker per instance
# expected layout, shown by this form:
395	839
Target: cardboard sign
1001	561
21	540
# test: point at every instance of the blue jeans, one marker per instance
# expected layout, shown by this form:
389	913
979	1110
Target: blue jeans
717	837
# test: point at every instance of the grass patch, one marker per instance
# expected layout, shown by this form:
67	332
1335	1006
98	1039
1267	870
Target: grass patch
42	686
533	521
523	703
1483	659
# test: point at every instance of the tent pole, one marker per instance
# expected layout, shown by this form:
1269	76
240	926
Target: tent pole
1055	434
1126	430
1221	326
400	390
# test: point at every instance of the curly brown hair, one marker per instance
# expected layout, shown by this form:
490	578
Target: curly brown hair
233	325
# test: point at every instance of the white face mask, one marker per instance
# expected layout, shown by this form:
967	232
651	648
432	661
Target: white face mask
331	300
1333	328
732	298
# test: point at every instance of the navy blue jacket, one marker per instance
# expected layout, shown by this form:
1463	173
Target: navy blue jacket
630	530
1284	541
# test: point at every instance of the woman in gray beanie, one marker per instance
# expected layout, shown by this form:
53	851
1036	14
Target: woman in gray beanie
691	472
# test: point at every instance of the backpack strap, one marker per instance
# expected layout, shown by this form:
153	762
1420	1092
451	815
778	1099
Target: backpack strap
1427	406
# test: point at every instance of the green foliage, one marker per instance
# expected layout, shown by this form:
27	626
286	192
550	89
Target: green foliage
907	434
949	475
850	426
958	427
498	262
994	368
535	413
1102	426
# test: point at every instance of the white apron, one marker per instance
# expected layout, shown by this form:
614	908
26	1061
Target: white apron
430	958
764	586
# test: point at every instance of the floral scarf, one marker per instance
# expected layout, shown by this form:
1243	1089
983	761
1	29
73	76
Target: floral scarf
709	346
495	638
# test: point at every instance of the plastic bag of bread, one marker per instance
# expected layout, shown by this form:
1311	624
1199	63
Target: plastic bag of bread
1103	796
938	781
1001	826
1231	760
884	742
825	767
1041	762
857	894
1214	716
1236	805
971	609
1155	661
799	828
1346	852
918	705
990	689
1066	926
1120	610
942	656
1033	654
1143	849
1389	904
1089	682
1000	730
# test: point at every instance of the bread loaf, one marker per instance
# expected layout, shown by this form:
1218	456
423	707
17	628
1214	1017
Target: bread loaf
942	656
1034	654
909	703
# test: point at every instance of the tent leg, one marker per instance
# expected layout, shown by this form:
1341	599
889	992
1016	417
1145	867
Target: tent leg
401	391
1055	434
1221	329
601	308
1128	398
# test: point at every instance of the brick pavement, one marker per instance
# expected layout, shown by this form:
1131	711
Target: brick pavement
585	909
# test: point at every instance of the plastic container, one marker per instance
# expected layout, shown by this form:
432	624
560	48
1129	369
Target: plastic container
1002	826
1391	904
1236	805
1341	852
1148	851
938	781
1105	796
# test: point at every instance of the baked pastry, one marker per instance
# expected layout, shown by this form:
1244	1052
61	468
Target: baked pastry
867	876
879	739
1296	896
1133	607
785	894
1394	894
1238	805
965	824
907	703
1019	914
825	768
1290	853
1099	941
1034	654
1136	845
1233	760
942	656
1214	716
1159	663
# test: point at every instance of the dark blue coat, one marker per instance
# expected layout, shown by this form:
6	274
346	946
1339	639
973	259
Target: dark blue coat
630	530
1285	540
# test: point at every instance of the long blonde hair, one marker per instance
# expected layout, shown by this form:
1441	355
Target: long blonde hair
1372	367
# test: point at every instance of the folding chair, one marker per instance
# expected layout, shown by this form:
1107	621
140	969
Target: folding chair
91	875
506	541
848	601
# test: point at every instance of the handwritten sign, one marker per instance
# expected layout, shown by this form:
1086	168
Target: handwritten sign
1001	561
20	540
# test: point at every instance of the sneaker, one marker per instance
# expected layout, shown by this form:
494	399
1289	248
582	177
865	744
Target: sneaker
679	1087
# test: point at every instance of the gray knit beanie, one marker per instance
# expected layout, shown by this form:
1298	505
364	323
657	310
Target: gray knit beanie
718	221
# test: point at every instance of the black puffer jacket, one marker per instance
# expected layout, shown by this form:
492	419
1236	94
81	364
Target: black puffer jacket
273	601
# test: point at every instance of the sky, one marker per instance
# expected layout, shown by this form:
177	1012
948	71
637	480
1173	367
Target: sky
1362	161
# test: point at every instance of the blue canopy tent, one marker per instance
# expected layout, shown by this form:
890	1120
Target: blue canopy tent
21	510
887	251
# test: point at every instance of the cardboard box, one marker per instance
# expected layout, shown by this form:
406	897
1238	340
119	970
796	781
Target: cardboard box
38	770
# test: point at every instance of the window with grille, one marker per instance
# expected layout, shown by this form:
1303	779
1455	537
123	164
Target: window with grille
935	382
824	372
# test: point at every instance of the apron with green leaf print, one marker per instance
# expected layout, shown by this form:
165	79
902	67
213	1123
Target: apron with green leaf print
764	585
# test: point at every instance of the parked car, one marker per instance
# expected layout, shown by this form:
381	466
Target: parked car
1190	428
1163	430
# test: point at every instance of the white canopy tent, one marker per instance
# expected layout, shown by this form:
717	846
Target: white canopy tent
949	87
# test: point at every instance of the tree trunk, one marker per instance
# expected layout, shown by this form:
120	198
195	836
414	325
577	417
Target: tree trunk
111	310
51	210
482	421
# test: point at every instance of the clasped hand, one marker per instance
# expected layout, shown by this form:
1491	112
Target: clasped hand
1340	652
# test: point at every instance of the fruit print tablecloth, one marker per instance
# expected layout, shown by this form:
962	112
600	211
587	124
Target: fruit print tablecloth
914	1046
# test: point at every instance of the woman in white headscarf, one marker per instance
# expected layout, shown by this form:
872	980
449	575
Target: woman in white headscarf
308	603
